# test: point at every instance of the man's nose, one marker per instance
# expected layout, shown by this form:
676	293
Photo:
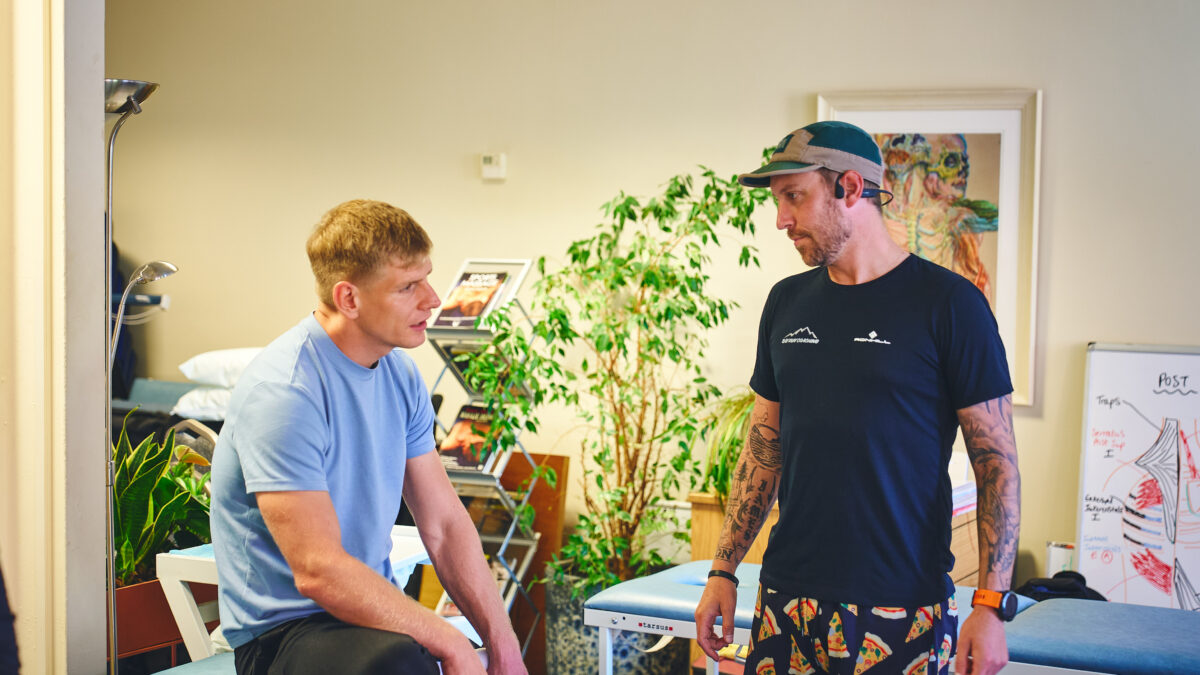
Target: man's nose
431	297
783	219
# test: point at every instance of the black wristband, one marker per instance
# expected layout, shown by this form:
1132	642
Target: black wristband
724	575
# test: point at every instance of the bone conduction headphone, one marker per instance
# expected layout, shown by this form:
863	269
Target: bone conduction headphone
839	192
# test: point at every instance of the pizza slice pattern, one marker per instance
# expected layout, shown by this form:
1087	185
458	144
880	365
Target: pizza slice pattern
872	651
837	639
922	622
802	636
798	664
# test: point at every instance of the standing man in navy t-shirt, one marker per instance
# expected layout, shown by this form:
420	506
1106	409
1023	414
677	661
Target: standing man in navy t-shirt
328	427
867	366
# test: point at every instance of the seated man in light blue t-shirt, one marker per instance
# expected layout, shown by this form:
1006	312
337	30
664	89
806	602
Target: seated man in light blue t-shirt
327	429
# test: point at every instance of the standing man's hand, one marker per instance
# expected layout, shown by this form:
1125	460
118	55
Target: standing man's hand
982	646
719	599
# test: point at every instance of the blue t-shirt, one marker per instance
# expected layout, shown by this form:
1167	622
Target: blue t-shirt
869	378
304	416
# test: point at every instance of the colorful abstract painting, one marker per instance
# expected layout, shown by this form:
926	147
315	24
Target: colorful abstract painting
944	210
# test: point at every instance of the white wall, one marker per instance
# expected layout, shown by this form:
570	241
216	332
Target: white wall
270	113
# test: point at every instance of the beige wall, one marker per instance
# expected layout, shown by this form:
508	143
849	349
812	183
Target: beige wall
8	505
51	269
270	113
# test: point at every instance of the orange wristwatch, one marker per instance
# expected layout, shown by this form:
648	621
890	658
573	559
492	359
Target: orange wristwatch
1004	602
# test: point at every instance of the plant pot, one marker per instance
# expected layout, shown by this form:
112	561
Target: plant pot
573	648
144	620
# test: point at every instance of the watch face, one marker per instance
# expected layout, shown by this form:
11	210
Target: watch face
1008	605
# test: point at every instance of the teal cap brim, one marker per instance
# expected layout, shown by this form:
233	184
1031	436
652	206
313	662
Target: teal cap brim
761	177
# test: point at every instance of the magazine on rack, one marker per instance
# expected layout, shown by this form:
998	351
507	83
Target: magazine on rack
474	295
460	449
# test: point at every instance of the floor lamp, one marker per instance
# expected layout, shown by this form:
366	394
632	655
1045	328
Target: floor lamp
122	97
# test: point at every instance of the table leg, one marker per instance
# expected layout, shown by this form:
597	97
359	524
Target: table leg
607	635
187	617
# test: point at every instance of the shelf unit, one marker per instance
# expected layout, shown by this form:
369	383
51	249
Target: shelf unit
508	545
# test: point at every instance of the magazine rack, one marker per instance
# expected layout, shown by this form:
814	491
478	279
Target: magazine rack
480	286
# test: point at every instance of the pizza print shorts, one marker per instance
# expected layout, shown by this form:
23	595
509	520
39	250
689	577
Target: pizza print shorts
803	636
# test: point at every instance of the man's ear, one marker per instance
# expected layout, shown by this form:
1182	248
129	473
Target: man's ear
853	184
345	299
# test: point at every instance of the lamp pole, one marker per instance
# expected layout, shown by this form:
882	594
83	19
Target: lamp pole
124	97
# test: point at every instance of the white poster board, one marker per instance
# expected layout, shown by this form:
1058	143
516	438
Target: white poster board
1139	519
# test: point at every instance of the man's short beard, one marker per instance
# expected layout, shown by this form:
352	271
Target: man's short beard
836	233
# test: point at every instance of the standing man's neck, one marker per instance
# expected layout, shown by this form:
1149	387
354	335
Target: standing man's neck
868	255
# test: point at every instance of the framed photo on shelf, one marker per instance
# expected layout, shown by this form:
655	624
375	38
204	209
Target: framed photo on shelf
964	169
479	286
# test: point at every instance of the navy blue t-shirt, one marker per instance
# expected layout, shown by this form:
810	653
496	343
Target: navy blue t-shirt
869	378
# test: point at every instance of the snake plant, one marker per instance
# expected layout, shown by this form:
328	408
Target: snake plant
158	504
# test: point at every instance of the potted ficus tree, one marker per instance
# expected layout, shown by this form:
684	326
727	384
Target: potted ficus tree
618	335
159	503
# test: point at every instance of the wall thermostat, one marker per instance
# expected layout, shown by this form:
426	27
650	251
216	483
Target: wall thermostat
493	166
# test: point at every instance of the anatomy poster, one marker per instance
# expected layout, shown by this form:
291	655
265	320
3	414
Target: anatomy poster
1139	524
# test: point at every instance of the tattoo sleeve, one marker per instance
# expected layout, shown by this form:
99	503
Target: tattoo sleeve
988	432
755	484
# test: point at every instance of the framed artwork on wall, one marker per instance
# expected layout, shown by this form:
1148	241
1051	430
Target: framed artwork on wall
964	168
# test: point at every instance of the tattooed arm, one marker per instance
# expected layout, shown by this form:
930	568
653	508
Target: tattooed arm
752	493
988	432
754	486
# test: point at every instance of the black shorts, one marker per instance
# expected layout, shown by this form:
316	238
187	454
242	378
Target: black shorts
319	644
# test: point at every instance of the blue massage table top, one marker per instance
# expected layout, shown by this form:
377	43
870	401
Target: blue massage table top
673	594
1106	637
219	664
148	395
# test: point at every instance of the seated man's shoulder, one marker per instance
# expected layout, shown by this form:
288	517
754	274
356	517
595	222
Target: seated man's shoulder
281	375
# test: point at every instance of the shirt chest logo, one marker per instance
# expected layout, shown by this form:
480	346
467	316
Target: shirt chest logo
804	335
872	337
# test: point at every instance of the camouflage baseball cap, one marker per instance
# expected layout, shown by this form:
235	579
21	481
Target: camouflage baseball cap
838	146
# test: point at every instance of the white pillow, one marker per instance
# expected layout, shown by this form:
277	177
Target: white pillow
219	368
204	403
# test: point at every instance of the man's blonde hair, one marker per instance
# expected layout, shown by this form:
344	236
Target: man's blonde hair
357	238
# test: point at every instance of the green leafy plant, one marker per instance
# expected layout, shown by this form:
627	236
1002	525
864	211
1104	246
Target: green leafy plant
157	504
618	336
729	417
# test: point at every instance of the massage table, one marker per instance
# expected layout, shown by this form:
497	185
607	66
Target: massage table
1053	637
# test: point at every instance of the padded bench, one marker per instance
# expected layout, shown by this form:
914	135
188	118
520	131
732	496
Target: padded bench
1066	635
1058	636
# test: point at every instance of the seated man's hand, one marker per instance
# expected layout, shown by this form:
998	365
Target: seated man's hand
463	663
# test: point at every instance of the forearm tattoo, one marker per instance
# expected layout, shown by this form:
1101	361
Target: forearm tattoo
988	432
752	491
